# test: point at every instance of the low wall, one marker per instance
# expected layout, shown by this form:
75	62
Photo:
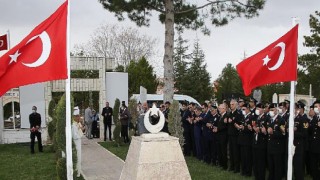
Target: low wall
10	136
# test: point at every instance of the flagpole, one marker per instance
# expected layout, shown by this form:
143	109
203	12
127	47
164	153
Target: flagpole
291	147
12	101
68	104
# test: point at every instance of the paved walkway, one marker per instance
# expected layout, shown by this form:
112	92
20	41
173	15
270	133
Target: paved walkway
98	163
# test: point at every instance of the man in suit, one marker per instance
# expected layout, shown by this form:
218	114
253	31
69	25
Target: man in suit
35	124
234	149
166	116
124	119
107	120
185	113
222	142
207	133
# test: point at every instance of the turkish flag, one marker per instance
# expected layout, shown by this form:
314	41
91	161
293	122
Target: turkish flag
39	57
275	63
3	42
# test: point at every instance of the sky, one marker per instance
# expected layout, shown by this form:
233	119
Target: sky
227	44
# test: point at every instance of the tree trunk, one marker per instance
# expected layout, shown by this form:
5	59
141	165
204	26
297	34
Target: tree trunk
168	52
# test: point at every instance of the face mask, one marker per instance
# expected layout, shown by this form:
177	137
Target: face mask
280	111
34	111
271	113
244	113
316	110
257	112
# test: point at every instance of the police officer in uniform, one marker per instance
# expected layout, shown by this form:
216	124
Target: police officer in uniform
245	140
214	120
314	137
283	111
276	144
252	104
300	132
259	145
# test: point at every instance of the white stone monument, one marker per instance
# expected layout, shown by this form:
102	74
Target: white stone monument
154	155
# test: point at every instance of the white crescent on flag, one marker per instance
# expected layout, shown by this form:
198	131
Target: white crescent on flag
46	49
282	45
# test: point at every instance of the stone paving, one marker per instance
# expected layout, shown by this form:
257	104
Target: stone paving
98	163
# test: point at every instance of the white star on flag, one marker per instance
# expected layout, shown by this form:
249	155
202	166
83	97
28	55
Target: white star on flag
266	60
14	57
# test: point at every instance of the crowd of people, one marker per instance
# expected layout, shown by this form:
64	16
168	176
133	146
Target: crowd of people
245	137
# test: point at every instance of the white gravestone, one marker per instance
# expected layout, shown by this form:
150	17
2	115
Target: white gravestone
155	155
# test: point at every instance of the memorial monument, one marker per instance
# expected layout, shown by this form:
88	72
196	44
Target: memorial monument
154	154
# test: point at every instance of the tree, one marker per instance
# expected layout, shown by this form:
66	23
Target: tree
186	14
199	76
309	71
181	58
229	84
122	44
141	74
175	123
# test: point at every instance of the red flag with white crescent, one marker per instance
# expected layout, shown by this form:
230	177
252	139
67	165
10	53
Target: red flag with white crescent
4	42
275	63
39	57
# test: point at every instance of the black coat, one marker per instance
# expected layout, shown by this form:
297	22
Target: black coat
222	128
107	114
236	117
301	123
260	139
276	141
35	120
314	135
245	135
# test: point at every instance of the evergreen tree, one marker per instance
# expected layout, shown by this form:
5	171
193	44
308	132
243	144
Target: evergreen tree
229	84
198	75
141	74
309	64
175	123
181	58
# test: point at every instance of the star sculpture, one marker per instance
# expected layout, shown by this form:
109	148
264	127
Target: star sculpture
14	57
266	60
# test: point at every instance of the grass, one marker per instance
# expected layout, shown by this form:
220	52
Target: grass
18	163
198	170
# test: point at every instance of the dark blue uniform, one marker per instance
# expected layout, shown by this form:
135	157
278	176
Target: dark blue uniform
259	146
314	148
276	148
245	142
301	130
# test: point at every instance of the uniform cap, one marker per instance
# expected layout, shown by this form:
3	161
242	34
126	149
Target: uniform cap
260	105
76	111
